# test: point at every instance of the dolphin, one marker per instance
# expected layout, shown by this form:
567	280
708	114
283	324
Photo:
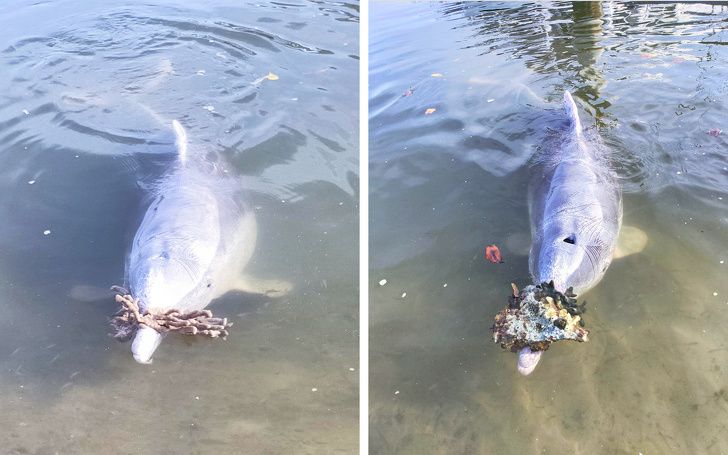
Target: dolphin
193	242
575	208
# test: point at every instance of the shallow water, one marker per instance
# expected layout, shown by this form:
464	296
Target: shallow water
652	80
88	94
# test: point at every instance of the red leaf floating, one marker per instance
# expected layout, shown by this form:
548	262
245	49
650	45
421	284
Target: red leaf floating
715	132
493	254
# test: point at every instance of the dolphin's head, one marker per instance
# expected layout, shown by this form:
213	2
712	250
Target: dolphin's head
145	343
162	283
564	260
569	258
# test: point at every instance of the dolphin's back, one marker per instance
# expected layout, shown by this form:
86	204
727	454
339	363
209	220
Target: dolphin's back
175	244
575	208
190	232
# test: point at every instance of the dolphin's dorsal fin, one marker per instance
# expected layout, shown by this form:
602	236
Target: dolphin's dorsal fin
181	141
572	113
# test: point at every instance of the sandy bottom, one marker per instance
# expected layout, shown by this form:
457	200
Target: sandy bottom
651	379
249	394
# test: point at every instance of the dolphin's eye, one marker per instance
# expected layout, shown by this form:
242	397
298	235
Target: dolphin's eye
570	239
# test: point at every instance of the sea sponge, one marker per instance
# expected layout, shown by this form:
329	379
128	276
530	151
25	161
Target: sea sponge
538	316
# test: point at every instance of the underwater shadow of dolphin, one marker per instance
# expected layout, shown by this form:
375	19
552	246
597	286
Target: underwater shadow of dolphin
192	244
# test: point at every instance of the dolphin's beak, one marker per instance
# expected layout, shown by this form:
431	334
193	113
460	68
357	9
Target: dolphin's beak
145	343
527	360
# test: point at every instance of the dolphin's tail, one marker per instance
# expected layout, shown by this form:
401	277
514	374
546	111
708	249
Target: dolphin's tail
572	113
181	141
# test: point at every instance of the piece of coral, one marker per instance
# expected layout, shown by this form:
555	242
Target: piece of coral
537	316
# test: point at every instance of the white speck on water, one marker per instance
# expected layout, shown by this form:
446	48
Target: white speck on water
47	232
404	294
30	182
314	389
679	173
283	201
197	398
26	112
76	156
200	72
352	369
396	392
209	108
341	203
383	281
491	100
722	261
444	285
294	99
715	294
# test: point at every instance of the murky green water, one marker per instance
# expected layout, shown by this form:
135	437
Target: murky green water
652	79
88	92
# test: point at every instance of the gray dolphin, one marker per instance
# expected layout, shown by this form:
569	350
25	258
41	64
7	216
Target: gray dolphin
192	244
575	206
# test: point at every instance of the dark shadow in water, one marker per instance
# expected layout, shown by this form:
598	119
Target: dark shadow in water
278	149
565	39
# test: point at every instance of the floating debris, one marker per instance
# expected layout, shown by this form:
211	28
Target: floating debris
538	316
26	112
430	111
47	232
493	254
715	132
383	281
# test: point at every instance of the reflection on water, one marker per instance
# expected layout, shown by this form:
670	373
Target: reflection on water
651	80
88	95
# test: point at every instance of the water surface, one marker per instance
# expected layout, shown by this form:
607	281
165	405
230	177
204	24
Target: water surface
88	94
651	79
